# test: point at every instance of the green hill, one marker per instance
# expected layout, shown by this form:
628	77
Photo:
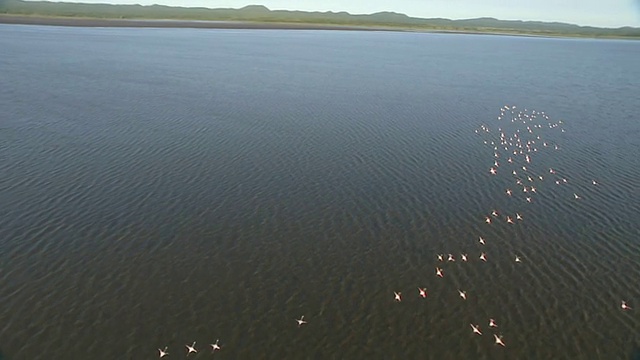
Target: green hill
259	13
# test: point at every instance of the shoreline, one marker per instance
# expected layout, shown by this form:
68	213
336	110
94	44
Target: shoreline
68	21
177	24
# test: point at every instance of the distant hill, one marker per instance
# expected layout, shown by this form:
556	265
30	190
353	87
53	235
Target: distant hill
259	13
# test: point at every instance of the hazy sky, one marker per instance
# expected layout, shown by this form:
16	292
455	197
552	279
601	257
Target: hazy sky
606	13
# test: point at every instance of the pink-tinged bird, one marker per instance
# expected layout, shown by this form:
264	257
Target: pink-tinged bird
423	292
164	352
215	346
624	306
191	349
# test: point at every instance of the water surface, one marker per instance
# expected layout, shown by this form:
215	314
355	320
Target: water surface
165	186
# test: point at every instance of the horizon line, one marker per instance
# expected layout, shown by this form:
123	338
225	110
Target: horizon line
341	11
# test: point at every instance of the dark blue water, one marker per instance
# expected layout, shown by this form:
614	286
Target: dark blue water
165	186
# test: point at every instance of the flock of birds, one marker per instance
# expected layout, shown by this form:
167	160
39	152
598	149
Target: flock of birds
191	349
512	153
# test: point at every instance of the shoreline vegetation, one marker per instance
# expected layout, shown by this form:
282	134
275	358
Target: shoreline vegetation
260	17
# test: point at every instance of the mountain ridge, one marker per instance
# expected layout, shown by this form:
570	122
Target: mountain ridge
261	13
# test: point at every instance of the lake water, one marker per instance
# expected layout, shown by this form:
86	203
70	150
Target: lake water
165	186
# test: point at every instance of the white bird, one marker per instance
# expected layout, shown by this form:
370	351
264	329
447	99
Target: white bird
509	220
164	352
517	259
423	292
450	258
576	196
518	216
439	272
464	257
481	240
492	171
492	323
508	192
483	257
463	294
301	321
476	329
440	257
487	220
215	346
397	296
494	213
594	182
191	349
624	306
499	340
